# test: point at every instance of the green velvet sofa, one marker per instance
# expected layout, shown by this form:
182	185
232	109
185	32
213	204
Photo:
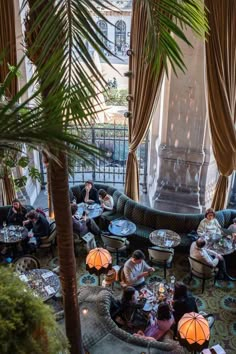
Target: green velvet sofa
149	219
101	335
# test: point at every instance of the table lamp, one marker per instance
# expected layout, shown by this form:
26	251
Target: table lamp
98	261
193	332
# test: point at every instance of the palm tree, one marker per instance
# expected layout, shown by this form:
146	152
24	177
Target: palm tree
69	84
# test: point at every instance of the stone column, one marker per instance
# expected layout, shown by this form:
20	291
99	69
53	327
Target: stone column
182	140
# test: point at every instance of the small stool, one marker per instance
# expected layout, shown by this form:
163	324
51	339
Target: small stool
111	277
90	242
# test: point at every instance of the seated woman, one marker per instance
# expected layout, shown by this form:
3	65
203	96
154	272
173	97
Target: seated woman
159	325
209	225
17	213
183	302
106	200
127	315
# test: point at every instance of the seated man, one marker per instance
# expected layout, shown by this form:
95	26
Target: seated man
83	225
136	270
89	194
232	227
38	223
204	255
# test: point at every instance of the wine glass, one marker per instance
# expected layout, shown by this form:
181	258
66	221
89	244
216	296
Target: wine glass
4	224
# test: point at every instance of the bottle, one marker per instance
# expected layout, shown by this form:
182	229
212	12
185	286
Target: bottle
172	282
164	237
5	234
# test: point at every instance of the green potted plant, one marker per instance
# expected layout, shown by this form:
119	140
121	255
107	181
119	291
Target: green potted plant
27	325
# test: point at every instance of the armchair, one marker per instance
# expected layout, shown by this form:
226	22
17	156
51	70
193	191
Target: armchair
201	271
25	263
115	245
161	256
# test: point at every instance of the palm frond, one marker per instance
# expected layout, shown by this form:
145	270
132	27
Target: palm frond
57	36
167	20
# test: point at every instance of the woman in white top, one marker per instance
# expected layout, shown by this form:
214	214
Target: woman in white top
106	200
209	225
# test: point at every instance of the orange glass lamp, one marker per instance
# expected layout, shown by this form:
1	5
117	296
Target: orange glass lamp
98	261
193	332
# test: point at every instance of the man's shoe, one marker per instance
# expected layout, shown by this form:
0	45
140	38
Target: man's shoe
229	278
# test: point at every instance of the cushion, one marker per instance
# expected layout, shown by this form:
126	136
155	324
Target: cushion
138	214
220	217
143	231
121	203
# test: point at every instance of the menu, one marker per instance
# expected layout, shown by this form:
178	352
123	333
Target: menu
47	275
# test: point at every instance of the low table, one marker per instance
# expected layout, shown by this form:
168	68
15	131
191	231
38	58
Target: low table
157	293
43	282
224	248
14	234
165	238
122	227
11	236
94	210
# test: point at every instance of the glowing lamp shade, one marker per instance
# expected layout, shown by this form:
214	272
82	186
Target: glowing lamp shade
98	261
193	331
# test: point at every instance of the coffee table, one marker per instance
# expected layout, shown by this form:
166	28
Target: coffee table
122	227
14	234
165	238
43	282
11	236
93	210
223	248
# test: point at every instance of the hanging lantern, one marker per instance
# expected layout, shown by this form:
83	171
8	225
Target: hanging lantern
193	331
98	261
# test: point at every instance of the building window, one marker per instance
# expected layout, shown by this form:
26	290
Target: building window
103	28
120	35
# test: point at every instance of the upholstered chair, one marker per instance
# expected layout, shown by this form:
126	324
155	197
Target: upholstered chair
48	242
115	244
25	263
201	271
161	256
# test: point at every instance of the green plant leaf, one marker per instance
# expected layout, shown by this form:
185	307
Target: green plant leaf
23	161
20	182
35	174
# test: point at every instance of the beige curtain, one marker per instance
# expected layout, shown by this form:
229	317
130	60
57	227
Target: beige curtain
8	48
7	189
7	42
221	77
144	87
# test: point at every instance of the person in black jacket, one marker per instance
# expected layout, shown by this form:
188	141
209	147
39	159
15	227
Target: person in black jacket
89	194
17	213
183	302
38	223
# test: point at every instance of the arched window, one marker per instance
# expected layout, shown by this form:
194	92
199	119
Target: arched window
120	34
103	28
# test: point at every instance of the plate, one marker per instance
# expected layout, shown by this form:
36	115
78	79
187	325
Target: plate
147	307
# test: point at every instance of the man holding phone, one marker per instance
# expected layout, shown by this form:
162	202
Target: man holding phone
83	225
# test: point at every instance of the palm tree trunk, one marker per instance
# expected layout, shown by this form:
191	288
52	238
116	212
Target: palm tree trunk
60	197
58	180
